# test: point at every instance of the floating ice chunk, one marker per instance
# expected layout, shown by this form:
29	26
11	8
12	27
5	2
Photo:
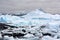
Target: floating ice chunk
49	38
33	14
8	18
29	35
8	38
37	14
54	25
36	18
56	17
13	20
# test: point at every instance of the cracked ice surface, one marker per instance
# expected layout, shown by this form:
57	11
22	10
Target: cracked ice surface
36	18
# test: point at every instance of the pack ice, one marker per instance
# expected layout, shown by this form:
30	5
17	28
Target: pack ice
46	25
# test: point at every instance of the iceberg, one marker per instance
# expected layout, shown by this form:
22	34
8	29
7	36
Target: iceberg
44	24
33	18
48	38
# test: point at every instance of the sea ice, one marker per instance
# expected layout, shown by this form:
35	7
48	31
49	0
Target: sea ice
36	18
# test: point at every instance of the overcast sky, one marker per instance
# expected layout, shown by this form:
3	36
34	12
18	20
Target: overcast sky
16	5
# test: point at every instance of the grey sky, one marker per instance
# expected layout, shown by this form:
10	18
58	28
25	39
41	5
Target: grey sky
51	6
